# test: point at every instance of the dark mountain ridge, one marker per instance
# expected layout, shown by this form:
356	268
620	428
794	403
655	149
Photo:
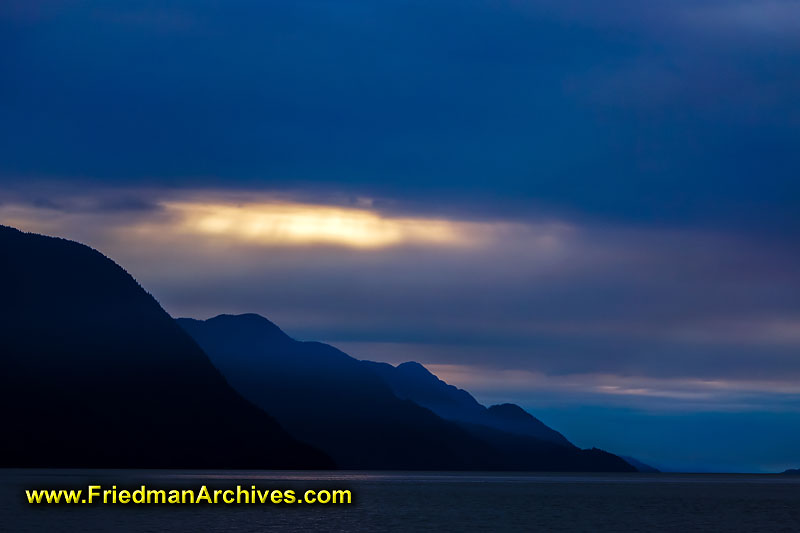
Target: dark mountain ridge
94	373
346	408
414	382
324	396
640	466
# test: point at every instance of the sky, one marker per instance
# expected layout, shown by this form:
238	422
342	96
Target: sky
589	209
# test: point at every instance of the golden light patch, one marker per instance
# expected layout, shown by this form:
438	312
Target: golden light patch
305	224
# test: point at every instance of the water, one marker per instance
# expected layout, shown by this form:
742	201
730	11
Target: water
385	501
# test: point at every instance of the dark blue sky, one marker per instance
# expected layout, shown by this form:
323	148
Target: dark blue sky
574	205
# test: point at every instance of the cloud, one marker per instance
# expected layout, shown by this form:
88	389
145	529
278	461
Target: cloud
292	224
643	392
621	112
227	218
765	18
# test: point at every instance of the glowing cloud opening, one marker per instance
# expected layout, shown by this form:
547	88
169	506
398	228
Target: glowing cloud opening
306	224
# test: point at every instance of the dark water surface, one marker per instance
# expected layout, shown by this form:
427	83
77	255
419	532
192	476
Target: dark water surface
390	501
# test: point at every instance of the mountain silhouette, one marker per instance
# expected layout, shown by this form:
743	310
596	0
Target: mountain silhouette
640	466
343	406
94	373
414	382
329	399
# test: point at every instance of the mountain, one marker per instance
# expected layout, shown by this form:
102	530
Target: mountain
640	466
414	382
331	400
791	472
94	373
343	406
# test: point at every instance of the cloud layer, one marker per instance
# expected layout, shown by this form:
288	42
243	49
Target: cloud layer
650	112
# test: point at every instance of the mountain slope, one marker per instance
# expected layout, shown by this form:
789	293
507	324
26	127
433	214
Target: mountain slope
640	466
413	381
344	407
333	401
94	373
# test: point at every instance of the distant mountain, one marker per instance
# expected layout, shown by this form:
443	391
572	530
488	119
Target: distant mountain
94	373
331	400
792	472
414	382
344	406
640	466
515	419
